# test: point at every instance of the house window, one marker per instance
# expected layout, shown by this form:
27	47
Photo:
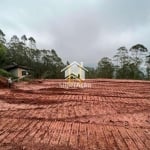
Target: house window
24	73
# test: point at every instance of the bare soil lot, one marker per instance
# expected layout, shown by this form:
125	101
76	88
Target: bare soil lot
111	114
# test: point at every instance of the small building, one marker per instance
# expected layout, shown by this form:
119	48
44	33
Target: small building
17	70
75	71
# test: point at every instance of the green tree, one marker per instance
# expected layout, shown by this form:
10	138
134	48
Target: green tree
105	68
2	37
138	51
32	43
16	50
129	71
24	39
14	40
3	53
148	66
91	73
122	56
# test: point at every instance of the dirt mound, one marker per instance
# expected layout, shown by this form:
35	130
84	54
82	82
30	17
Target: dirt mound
3	82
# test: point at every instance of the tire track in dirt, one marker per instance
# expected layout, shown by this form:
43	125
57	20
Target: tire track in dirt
110	115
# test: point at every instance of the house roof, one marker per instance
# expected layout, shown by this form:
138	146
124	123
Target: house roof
74	63
14	66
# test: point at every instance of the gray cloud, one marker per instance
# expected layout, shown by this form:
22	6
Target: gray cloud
84	30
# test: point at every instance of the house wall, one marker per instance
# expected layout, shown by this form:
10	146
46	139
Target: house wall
82	74
14	72
18	72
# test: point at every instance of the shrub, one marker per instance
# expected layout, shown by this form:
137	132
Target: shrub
5	73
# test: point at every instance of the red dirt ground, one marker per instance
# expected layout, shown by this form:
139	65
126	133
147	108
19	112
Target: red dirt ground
111	114
3	82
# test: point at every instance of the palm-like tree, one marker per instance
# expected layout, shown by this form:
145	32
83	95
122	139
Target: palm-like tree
24	39
32	43
137	51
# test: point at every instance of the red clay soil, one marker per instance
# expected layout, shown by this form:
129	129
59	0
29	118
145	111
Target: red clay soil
40	115
3	82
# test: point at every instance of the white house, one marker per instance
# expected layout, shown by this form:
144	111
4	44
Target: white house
75	71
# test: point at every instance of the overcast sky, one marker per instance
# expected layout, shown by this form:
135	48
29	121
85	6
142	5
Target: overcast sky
81	30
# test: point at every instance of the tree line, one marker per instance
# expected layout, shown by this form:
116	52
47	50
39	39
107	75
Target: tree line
125	64
43	63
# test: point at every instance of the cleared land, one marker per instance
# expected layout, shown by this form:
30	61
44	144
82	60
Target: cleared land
111	114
